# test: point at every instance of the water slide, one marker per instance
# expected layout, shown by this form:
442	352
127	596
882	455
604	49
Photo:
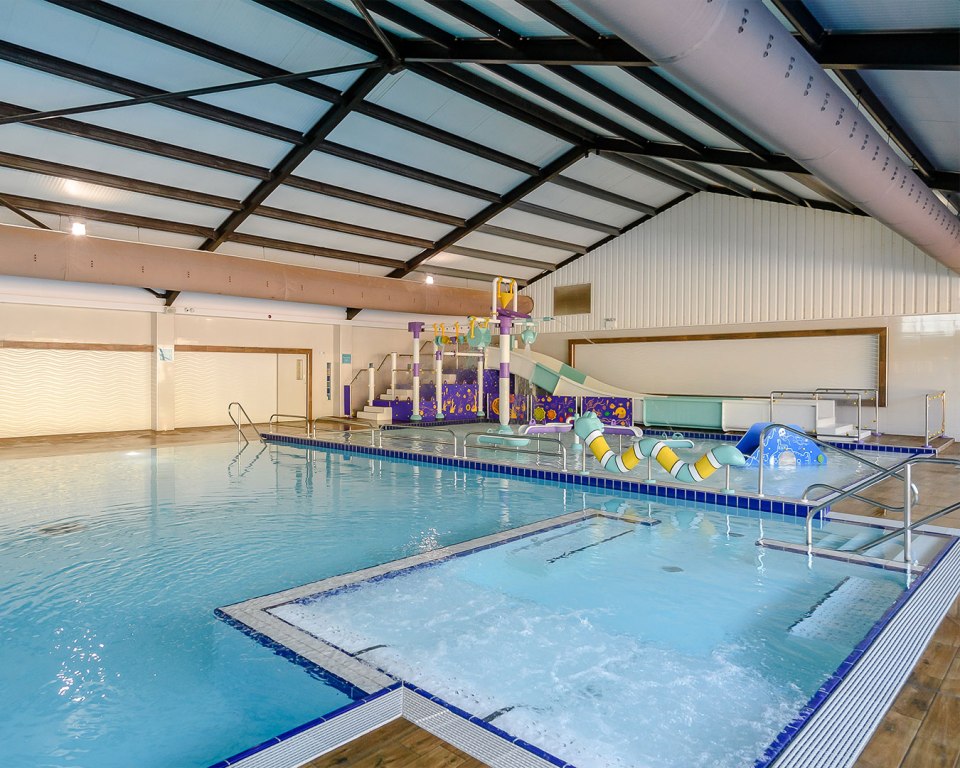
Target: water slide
558	378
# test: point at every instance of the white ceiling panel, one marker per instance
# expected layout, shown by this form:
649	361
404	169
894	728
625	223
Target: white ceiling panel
273	104
612	177
927	105
301	201
107	198
568	201
254	30
618	80
325	238
470	264
417	97
52	220
541	225
138	234
438	18
344	173
872	15
299	259
510	247
369	135
385	24
572	8
514	16
26	140
789	184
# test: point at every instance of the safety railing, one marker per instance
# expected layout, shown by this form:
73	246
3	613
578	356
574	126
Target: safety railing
838	393
927	399
422	435
349	427
275	421
910	495
505	446
236	421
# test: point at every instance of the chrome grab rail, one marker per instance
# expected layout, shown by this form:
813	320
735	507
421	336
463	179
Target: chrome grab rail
352	426
236	421
364	370
822	443
816	393
562	452
910	493
913	526
888	507
927	399
385	434
277	416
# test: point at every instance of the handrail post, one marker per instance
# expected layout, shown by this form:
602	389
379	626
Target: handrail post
907	510
371	384
859	414
393	374
763	434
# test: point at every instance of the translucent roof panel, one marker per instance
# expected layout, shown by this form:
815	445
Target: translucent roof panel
369	135
28	141
541	225
517	18
362	178
511	247
612	177
438	18
301	201
618	80
471	264
790	185
574	10
927	105
875	15
384	24
566	200
73	192
429	102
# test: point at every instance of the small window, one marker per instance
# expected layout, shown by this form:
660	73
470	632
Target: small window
571	299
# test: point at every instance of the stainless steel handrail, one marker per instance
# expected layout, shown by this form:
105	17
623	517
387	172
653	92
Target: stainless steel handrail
236	421
913	526
390	434
815	393
822	443
517	449
942	397
277	416
352	426
364	370
873	480
888	507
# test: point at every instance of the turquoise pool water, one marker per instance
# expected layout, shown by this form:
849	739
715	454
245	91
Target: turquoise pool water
612	644
113	564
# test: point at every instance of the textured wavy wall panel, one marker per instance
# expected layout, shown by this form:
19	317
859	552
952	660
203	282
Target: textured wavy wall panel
717	260
60	391
207	382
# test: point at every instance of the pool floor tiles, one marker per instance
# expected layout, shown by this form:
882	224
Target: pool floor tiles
398	744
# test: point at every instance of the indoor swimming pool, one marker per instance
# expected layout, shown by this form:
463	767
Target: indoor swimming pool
116	562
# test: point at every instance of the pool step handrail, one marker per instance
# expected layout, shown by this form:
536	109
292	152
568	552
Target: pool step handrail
562	452
275	421
913	526
384	434
236	421
352	426
832	393
866	500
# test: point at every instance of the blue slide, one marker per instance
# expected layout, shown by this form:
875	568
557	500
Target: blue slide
780	448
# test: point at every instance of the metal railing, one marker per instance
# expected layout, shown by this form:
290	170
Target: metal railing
910	495
351	426
236	421
834	394
927	399
392	434
562	449
275	421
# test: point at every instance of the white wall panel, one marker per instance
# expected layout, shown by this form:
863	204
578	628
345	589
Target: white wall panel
716	260
207	382
61	391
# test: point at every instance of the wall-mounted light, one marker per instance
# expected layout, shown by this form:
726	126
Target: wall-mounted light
428	280
78	228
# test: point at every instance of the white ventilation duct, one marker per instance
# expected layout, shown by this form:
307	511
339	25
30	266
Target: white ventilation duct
739	56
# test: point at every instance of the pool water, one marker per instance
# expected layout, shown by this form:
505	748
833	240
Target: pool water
113	563
612	644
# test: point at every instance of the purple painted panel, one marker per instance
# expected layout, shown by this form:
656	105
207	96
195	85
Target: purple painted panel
611	410
554	408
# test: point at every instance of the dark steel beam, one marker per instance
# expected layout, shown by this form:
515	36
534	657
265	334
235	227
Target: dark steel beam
310	250
658	171
734	157
141	144
565	21
463	274
171	297
532	50
500	258
571	105
947	181
814	184
517	193
113	181
716	178
329	19
936	49
407	171
410	21
111	217
771	186
89	76
311	140
479	21
601	194
526	237
341	193
22	214
566	218
378	33
306	219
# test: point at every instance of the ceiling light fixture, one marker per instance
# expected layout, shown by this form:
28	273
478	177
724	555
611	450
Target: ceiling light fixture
429	280
78	228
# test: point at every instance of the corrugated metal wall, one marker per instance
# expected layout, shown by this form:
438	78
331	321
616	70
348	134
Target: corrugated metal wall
717	260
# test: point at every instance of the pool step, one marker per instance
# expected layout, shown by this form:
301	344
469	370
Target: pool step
379	414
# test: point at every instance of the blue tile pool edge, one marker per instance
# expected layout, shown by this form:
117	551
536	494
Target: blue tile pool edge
659	490
793	728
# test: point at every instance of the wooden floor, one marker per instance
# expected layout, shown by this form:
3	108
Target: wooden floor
921	729
399	744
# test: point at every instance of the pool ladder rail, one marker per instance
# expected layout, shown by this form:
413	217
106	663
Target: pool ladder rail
238	420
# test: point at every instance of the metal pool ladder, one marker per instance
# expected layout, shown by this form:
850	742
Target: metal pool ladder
236	421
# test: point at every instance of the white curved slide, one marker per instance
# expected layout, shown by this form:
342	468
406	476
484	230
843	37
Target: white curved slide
557	378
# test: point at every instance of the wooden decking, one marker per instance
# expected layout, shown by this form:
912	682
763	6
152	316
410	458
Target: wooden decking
398	744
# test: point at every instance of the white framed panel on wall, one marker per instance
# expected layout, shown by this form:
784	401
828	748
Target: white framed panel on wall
738	365
70	390
207	382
